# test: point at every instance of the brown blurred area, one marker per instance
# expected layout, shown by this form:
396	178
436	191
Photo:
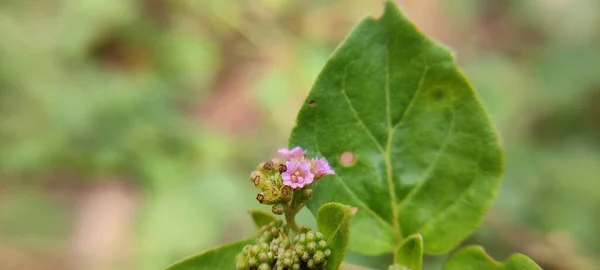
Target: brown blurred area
128	128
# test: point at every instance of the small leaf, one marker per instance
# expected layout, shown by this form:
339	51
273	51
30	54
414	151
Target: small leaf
475	258
218	258
410	252
262	218
333	221
411	145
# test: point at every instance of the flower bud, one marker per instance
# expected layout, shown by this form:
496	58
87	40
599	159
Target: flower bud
319	257
300	249
241	262
312	249
268	232
282	168
305	256
278	209
287	259
310	236
286	193
260	197
252	261
306	193
322	244
262	257
258	179
269	196
266	166
256	256
254	250
277	162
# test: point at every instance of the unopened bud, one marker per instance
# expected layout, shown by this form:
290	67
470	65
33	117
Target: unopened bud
260	197
278	209
307	193
282	168
286	193
318	257
277	162
269	196
266	165
257	178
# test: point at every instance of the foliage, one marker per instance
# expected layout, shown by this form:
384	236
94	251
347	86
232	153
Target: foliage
426	159
411	145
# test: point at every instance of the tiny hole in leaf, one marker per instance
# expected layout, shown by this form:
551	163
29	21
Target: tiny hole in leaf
312	103
347	159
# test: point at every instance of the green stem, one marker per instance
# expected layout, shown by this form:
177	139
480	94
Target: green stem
291	222
293	208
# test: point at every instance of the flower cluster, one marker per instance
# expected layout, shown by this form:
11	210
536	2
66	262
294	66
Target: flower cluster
279	179
285	184
301	171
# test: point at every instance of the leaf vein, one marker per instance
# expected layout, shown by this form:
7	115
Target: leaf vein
429	169
462	194
360	121
412	98
388	157
364	205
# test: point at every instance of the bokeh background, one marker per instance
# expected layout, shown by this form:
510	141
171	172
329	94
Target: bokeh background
128	128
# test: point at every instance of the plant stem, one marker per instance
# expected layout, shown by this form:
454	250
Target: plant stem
293	208
291	221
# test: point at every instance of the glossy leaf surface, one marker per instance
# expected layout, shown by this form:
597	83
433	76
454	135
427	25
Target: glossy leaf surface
411	144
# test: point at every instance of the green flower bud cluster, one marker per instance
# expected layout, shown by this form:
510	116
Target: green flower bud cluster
274	250
312	249
267	178
288	260
255	256
271	231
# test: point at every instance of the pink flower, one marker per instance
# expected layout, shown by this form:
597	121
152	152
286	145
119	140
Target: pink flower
322	168
298	173
295	152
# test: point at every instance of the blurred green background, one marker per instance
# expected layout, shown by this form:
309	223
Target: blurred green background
128	128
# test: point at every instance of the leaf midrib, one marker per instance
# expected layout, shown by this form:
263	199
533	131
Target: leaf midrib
386	152
387	155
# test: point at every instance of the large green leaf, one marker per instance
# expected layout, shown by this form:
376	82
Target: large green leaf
420	155
333	220
475	258
410	253
218	258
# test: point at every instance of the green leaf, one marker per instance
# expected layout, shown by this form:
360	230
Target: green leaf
261	218
333	221
475	258
218	258
410	253
420	155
